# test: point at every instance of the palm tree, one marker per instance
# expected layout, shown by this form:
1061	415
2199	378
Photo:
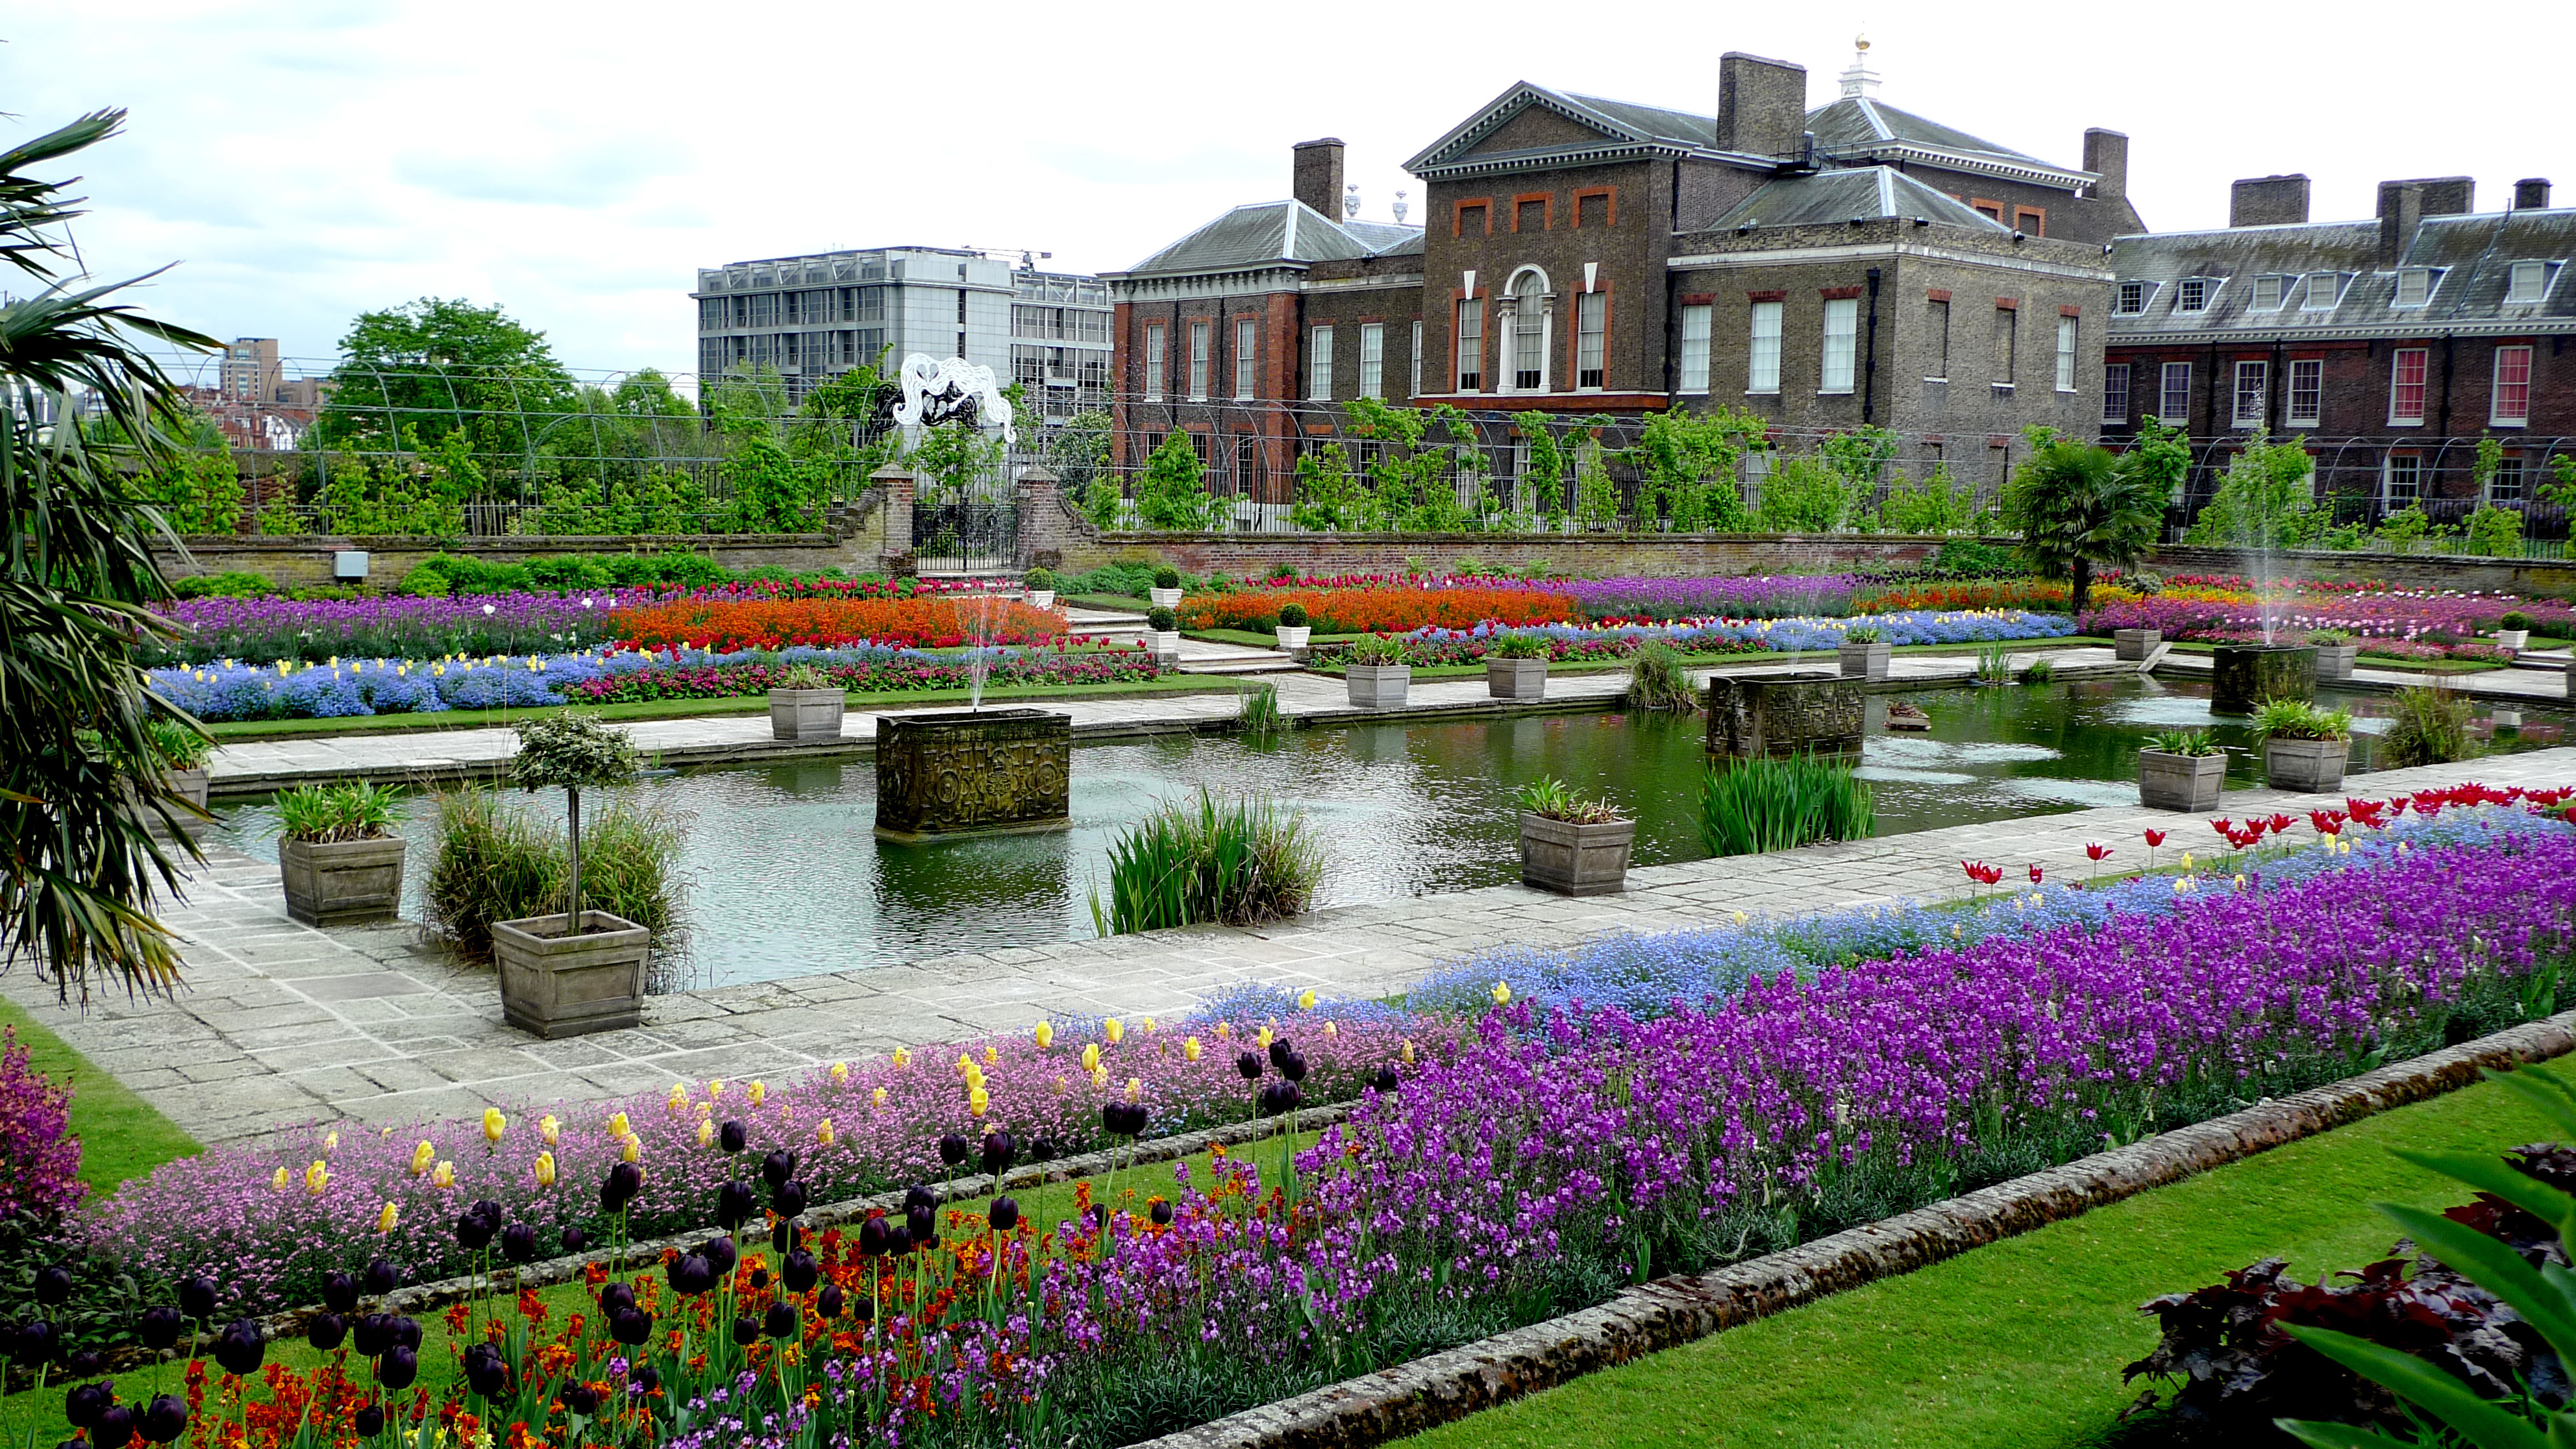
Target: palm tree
2075	506
80	772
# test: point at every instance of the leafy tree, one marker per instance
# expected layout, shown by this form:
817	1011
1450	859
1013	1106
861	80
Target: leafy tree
1543	482
435	365
1596	493
1687	464
1935	505
1077	452
2162	454
81	767
2267	499
2076	506
1330	494
1805	493
1172	496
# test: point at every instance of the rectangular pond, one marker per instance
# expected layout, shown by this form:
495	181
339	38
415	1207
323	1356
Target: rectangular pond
786	876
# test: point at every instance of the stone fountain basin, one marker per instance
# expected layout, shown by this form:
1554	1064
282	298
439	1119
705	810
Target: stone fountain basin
973	772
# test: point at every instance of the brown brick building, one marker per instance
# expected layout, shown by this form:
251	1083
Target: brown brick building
1824	268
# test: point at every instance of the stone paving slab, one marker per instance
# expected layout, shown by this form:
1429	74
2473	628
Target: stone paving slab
253	1049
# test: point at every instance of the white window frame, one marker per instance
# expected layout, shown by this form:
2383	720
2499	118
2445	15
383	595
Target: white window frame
2515	466
2115	392
1319	363
2539	275
1697	320
2146	292
2429	277
1523	339
1247	358
2280	289
2173	380
1373	359
2307	399
2398	362
2066	354
1838	362
2332	282
1202	338
2183	289
1591	341
1468	344
1762	349
2388	473
2252	395
1154	344
1416	389
2496	415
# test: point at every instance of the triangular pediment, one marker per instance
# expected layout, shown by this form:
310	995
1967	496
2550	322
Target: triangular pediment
1525	118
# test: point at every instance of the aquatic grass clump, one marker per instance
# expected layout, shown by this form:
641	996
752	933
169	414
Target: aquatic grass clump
2431	728
1656	680
1751	806
1261	717
1240	862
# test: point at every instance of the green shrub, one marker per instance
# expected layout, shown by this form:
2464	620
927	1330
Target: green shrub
1167	577
234	585
1657	681
1292	616
2431	728
1038	580
1751	806
2516	620
325	814
1967	558
1240	863
492	862
1519	644
1161	620
2297	719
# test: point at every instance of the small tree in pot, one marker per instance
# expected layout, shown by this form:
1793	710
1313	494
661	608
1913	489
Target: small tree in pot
1165	627
2513	631
1293	629
2304	748
1040	584
582	971
1166	592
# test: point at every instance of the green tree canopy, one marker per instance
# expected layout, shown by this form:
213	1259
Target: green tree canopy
436	365
2076	506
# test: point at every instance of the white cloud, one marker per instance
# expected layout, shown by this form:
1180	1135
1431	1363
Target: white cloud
578	163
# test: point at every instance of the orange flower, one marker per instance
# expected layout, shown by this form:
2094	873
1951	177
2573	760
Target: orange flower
778	623
1380	611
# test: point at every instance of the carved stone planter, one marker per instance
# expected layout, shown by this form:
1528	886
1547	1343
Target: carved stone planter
554	984
1163	598
1785	714
1293	637
1516	678
188	785
1379	686
973	772
2512	641
2334	661
807	714
2134	645
2180	782
1575	860
2311	767
1864	661
2245	675
342	882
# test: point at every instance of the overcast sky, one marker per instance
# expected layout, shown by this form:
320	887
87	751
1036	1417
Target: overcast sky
303	162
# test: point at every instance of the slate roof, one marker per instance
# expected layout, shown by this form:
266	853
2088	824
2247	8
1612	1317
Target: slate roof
1866	192
1271	232
1857	127
2473	255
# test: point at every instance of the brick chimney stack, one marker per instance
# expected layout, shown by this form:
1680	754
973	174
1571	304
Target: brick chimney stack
2531	193
2106	155
1761	105
1317	175
2268	201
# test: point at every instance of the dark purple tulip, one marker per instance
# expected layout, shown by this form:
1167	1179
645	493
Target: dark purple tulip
165	1418
474	1232
918	1196
789	1199
927	1242
34	1342
82	1406
485	1371
872	1238
759	1276
1248	1062
372	1335
339	1292
383	1277
691	1274
83	1364
1004	1215
1162	1213
777	1167
828	1302
721	1255
158	1326
624	1180
519	1243
53	1285
581	1399
197	1298
630	1326
898	1238
923	1222
574	1240
733	1136
952	1149
114	1429
489	1211
645	1379
241	1347
616	1296
398	1368
1387	1080
799	1271
406	1332
862	1310
369	1421
1279	1052
746	1328
784	1235
998	1152
1293	1066
325	1331
1042	1150
780	1320
735	1202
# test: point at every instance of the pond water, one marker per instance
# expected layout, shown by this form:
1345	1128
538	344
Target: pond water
786	876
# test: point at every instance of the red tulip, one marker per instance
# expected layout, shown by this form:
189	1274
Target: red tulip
2223	825
2281	824
2096	851
2155	838
2034	873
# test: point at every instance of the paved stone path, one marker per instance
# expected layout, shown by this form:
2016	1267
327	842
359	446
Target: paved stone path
282	1025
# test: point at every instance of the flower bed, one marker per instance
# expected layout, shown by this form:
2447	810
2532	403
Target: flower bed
390	626
900	671
1752	596
2039	595
1576	642
2206	609
727	625
1379	610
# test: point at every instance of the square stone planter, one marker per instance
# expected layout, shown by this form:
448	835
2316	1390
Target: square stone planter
973	772
1864	661
1379	686
1293	637
342	882
2311	767
1041	598
2512	641
2180	782
554	984
2134	645
807	714
2334	661
188	785
1575	860
1516	678
2243	676
1163	598
1164	644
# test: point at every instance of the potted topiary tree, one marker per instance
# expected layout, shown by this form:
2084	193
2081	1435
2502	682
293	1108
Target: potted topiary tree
1040	584
1572	847
1377	674
339	859
2181	770
1516	665
1166	592
2513	632
581	971
1862	654
2304	748
805	705
1293	629
2336	651
1163	632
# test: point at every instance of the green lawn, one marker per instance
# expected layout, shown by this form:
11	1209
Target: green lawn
2020	1343
121	1136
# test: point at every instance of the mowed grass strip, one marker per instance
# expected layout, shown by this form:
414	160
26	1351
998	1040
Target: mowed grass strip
2020	1343
121	1135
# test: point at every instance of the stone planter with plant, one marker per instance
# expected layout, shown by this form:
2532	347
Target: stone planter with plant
2336	651
1516	665
1166	592
1377	674
804	706
2513	632
1572	847
1040	584
182	753
581	971
1163	632
337	854
2134	645
2305	748
1293	630
1862	654
2181	770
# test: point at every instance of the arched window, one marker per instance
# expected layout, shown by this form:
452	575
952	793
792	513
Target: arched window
1529	332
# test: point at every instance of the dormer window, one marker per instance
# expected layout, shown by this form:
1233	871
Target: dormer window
2324	290
2191	294
2267	294
2133	298
2528	282
2414	287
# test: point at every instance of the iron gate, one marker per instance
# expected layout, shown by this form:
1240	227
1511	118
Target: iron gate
973	529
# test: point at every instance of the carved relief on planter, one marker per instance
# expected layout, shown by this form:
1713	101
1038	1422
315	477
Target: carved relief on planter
1785	714
973	772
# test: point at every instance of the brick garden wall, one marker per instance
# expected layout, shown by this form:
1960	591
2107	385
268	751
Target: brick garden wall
306	561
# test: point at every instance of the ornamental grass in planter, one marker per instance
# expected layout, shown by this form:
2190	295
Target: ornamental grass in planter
1238	863
2431	728
2305	748
1572	847
2181	770
1657	681
337	855
805	705
1377	676
1516	666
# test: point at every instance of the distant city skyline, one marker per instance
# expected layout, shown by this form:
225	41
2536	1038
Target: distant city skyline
302	165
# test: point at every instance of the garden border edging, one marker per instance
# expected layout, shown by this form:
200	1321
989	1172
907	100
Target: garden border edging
1669	1312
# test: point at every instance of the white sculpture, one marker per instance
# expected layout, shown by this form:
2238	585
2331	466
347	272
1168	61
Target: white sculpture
936	392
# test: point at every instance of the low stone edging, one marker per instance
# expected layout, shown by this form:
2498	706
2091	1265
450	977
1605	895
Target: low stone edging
1670	1312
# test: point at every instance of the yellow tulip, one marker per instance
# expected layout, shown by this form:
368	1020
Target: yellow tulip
823	1132
1135	1088
316	1178
330	1141
1408	1051
877	1097
1100	1077
1114	1029
1091	1056
444	1175
902	1058
1190	1049
1224	1029
634	1148
1741	918
715	1088
385	1220
1502	993
977	1101
840	1072
1045	1035
992	1055
617	1126
1263	1041
706	1130
550	1130
974	1076
1331	1029
2186	860
545	1169
706	1109
1149	1026
421	1157
1306	999
279	1181
679	1097
759	1092
494	1124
